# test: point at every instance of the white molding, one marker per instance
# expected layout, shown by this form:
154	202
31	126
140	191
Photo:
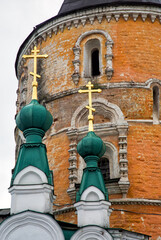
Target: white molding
91	232
114	111
112	154
136	201
30	225
88	33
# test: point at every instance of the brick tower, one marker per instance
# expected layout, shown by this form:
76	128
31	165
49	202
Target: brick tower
117	46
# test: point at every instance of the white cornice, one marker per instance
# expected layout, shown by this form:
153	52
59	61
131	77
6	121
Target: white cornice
136	201
82	17
120	201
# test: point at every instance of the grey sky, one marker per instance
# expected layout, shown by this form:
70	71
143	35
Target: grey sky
17	19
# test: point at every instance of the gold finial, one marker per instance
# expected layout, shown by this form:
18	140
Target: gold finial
90	91
35	56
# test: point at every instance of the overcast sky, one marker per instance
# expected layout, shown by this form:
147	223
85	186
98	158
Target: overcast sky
17	19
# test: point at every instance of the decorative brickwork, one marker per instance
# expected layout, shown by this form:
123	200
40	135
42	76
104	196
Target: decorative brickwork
124	116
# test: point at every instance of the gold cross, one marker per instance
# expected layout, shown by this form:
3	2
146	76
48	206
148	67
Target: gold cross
35	56
91	109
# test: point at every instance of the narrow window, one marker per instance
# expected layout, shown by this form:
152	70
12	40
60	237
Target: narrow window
103	164
95	63
92	58
155	105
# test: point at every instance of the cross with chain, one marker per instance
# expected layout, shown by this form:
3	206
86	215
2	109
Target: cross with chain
35	56
91	109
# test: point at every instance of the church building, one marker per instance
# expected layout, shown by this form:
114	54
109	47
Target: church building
88	128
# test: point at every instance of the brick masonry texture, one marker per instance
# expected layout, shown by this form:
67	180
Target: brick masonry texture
136	59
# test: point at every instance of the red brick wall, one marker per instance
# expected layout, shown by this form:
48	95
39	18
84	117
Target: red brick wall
136	58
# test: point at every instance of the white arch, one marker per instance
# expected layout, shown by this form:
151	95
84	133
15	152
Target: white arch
91	232
97	31
30	175
113	110
30	225
150	81
92	194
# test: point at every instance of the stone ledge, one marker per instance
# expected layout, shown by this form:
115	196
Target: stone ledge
135	201
127	201
64	210
145	85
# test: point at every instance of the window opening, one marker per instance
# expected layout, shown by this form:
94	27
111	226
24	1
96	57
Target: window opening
95	63
155	105
92	58
103	164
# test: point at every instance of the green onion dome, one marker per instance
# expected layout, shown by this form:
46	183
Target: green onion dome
34	115
91	145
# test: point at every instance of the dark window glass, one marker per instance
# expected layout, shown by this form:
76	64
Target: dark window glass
95	63
155	103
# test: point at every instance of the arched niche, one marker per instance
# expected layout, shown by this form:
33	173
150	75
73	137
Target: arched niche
105	112
110	122
77	52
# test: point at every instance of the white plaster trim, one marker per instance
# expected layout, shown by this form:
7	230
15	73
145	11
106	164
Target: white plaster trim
30	175
87	50
92	194
116	113
112	154
139	121
20	223
82	36
82	17
136	201
91	232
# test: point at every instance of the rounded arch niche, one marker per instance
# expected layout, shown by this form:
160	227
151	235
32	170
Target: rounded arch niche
77	52
106	113
109	123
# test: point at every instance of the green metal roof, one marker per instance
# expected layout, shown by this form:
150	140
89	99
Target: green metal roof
34	120
34	115
91	148
33	154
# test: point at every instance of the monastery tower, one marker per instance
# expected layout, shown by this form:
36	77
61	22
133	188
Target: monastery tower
117	46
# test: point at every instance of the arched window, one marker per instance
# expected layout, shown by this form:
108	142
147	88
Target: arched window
155	105
95	63
92	58
103	164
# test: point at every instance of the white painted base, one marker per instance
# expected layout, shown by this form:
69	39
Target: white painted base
93	213
38	197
